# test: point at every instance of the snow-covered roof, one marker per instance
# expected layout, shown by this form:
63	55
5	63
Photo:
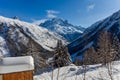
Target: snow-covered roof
16	64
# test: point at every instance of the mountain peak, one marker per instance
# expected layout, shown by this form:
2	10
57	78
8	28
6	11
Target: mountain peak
63	28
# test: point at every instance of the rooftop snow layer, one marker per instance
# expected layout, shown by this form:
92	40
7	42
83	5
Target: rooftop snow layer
16	64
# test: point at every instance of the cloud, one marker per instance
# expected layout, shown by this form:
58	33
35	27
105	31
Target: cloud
90	7
38	22
52	13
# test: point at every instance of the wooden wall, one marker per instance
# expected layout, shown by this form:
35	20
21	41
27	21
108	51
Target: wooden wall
27	75
0	77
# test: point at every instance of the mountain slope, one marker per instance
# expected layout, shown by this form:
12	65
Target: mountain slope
68	31
18	38
91	35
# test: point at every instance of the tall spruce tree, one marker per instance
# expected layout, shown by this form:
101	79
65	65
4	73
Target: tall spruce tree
61	57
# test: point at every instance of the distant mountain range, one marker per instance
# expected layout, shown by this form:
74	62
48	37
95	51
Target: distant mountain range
61	27
91	35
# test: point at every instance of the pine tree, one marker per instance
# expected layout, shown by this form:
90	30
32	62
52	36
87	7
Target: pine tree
61	56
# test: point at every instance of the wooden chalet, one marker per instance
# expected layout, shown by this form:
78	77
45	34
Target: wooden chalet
17	68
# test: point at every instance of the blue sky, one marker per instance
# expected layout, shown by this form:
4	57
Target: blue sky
77	12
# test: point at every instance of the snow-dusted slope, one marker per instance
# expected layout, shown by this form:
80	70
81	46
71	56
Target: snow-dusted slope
61	27
41	35
18	38
91	35
94	72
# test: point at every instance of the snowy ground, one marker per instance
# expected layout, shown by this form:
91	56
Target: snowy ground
94	72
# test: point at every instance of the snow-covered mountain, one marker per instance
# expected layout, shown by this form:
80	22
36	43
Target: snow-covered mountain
61	27
18	38
91	35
